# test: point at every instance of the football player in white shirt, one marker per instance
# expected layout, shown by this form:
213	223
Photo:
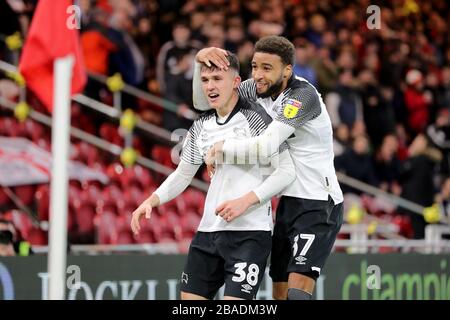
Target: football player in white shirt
232	251
310	211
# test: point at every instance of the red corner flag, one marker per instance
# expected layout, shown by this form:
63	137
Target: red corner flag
51	36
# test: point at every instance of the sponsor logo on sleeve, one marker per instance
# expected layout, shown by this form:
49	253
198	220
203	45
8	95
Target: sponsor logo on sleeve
291	108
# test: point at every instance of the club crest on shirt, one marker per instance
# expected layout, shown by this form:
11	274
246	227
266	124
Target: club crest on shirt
240	132
291	108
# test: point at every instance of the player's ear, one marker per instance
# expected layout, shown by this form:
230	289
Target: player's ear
287	71
237	82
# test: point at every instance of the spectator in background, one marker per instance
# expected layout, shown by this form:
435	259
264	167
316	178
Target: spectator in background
179	90
387	165
127	59
235	35
379	116
318	24
197	20
167	61
444	93
302	66
147	41
416	179
344	104
97	48
325	69
245	54
432	88
357	163
341	140
96	43
439	134
417	101
12	20
443	199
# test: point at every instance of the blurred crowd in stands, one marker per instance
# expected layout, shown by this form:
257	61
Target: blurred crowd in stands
387	90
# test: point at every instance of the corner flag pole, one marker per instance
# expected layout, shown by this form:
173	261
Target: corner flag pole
59	180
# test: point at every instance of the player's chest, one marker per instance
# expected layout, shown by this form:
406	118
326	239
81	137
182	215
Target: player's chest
271	106
212	132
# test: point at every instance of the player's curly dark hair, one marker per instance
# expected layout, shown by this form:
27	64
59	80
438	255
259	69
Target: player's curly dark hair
278	45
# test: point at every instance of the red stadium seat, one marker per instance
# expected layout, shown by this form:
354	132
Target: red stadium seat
125	237
134	195
110	196
86	153
11	127
143	176
171	225
167	238
86	124
93	192
194	200
25	193
154	226
110	132
113	171
183	245
145	237
123	223
34	130
106	228
37	237
189	223
4	199
22	222
162	155
84	218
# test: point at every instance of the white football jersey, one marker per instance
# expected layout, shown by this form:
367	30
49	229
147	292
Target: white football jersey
311	146
230	180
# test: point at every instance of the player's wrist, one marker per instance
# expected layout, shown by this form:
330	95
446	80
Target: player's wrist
153	200
250	199
200	56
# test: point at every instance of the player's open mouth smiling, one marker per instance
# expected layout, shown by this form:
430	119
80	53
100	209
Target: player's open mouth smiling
213	97
260	85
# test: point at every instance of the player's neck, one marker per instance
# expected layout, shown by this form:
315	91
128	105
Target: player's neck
228	107
284	85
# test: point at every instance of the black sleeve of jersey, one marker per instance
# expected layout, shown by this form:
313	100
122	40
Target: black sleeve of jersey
300	105
247	90
191	153
259	120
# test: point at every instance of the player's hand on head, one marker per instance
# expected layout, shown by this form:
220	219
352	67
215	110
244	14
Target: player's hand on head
214	55
145	209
